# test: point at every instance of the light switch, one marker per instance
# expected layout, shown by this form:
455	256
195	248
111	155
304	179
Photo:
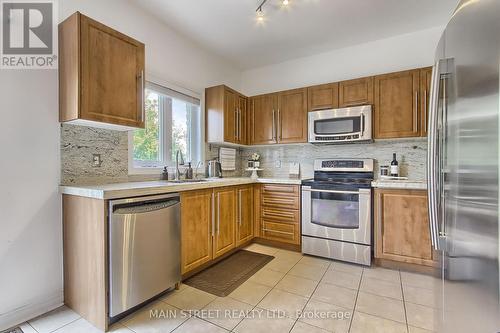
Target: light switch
277	164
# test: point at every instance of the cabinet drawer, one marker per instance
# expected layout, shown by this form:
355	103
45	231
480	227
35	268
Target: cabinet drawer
281	196
283	232
277	188
282	215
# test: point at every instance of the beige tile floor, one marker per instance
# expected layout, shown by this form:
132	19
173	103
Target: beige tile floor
293	293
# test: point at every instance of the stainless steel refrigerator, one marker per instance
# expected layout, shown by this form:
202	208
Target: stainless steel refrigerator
463	168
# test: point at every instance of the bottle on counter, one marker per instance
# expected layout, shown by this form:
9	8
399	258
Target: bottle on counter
189	171
394	172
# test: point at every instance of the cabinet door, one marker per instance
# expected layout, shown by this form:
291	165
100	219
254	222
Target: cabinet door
112	76
292	116
263	119
322	97
396	105
402	226
242	120
196	229
225	220
425	86
245	215
230	116
356	92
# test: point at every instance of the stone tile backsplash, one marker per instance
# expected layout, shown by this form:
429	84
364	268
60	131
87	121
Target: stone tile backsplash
411	154
78	143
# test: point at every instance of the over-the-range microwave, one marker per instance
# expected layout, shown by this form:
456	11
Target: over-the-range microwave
353	124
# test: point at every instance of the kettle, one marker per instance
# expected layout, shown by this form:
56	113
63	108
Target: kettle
214	169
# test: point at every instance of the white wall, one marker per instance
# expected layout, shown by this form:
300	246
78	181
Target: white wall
30	235
31	280
382	56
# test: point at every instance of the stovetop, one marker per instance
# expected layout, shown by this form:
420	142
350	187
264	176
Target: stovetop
341	174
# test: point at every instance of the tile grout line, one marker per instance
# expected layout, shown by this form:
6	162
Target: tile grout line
404	302
310	297
255	306
356	300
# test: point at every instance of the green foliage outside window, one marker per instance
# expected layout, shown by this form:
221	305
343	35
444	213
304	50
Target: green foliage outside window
147	140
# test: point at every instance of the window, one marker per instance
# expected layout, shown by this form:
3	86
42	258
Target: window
173	122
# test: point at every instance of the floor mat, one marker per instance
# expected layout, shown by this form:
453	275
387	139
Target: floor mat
227	275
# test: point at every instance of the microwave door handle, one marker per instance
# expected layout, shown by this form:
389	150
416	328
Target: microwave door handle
362	125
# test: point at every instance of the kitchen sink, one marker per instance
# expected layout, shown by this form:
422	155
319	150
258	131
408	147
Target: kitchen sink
180	181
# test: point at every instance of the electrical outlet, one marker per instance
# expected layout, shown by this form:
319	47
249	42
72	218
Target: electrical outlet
96	160
277	164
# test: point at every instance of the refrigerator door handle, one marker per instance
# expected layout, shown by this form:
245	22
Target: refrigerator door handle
432	190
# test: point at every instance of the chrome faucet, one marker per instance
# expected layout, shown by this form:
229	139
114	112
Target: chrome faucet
177	171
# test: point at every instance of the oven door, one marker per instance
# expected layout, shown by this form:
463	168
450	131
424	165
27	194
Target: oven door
337	214
340	125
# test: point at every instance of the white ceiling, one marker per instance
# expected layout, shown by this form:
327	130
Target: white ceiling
229	27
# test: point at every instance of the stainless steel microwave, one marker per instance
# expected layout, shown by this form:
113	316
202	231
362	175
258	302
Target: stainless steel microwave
352	124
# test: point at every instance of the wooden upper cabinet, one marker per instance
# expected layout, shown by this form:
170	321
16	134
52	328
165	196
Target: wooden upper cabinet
263	119
402	227
356	92
244	214
323	96
230	116
291	125
397	111
196	229
225	115
425	86
225	220
101	74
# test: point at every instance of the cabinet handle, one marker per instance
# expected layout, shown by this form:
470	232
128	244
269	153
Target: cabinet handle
279	129
239	124
235	124
239	207
274	128
213	214
218	214
415	114
143	99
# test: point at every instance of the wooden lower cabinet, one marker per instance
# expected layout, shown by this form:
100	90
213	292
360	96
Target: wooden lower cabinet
245	214
214	222
225	220
279	218
402	227
196	228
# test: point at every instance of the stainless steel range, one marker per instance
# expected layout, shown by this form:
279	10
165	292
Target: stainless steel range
337	210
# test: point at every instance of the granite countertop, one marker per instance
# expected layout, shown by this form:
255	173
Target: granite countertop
133	189
400	184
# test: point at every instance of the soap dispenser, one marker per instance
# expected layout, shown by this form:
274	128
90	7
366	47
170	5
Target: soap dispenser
164	174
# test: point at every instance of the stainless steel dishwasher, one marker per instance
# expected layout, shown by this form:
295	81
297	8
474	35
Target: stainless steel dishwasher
144	249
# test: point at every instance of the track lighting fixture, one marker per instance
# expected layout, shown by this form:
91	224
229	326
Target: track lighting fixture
260	13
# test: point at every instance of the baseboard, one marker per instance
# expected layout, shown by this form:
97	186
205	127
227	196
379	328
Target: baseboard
31	309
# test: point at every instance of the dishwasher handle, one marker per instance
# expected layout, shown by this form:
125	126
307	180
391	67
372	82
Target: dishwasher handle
145	206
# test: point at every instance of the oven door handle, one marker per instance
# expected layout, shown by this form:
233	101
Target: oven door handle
332	191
